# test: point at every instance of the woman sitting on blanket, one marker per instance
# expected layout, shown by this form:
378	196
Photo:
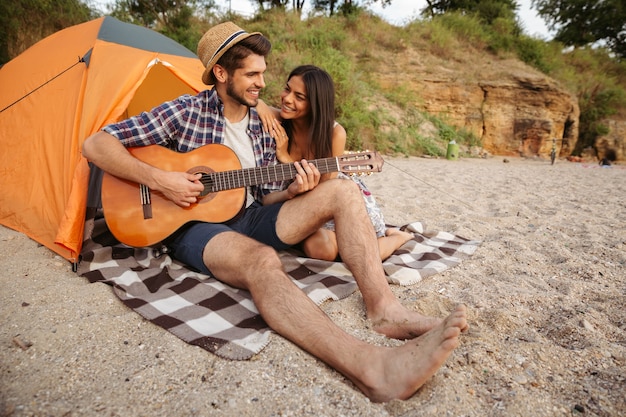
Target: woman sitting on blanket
307	112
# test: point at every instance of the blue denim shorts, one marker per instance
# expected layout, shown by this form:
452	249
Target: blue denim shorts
257	221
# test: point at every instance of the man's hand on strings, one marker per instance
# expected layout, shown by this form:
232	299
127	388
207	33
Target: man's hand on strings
182	188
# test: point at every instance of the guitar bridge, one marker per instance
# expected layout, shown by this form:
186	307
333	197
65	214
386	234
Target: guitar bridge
146	202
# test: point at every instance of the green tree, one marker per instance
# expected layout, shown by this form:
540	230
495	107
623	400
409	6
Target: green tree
596	104
583	22
600	92
326	5
175	19
331	6
24	22
487	10
279	4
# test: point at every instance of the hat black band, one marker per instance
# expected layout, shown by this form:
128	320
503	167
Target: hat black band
227	42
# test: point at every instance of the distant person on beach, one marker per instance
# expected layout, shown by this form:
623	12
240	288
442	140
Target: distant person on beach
305	127
243	252
609	158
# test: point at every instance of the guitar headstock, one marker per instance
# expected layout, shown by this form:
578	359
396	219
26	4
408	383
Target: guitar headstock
360	163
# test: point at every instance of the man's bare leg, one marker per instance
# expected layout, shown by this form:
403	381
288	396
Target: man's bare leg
358	248
381	373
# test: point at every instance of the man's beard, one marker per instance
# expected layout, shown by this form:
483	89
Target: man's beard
230	90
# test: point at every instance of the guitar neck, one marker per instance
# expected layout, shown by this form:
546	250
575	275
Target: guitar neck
227	180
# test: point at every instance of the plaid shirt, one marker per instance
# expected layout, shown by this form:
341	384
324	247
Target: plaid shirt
189	122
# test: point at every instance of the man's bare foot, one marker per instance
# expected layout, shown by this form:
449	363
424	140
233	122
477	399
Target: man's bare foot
399	372
397	322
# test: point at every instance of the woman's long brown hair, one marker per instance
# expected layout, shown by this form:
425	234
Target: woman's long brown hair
320	92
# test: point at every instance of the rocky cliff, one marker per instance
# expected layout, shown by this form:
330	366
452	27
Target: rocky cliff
513	108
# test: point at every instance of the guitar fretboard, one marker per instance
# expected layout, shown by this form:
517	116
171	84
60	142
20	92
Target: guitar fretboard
228	180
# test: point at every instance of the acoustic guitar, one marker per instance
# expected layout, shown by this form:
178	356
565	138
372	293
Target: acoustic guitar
138	216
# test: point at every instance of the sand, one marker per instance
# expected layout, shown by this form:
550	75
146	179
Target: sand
546	292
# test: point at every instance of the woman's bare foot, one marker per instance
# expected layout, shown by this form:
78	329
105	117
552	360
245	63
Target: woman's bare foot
399	372
406	236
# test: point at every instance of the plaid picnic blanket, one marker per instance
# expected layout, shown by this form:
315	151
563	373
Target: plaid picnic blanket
203	311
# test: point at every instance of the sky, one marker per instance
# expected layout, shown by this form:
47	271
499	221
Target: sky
399	12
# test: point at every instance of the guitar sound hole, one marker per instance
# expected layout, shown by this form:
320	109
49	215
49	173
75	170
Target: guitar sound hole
208	184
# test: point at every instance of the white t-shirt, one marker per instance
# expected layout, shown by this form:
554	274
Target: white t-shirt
237	139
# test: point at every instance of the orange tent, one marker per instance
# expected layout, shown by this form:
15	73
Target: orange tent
56	94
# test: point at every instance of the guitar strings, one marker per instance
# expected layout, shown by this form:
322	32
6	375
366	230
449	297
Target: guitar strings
229	179
468	205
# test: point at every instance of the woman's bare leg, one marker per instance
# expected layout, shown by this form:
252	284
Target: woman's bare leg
393	239
321	245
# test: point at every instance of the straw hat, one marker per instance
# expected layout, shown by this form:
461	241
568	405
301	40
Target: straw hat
215	42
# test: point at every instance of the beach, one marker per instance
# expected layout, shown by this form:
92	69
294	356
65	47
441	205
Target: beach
545	292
